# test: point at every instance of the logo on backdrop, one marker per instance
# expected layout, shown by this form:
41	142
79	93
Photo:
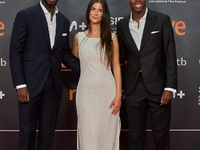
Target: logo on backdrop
2	95
169	1
2	27
179	27
179	94
3	63
181	62
72	93
114	21
77	26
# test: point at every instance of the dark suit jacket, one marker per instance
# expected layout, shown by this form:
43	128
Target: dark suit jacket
31	56
156	58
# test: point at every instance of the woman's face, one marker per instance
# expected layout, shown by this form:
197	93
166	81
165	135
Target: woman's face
96	13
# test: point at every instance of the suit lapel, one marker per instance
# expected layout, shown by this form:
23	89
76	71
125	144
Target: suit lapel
128	34
42	23
149	26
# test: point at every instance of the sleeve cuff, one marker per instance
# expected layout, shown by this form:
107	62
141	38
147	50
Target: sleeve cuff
170	89
21	86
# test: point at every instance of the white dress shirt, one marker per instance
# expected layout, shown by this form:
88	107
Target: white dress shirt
51	24
51	28
136	30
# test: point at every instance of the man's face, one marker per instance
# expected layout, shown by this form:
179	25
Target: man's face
138	6
50	3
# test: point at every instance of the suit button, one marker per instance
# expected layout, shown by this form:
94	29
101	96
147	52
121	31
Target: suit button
141	56
47	68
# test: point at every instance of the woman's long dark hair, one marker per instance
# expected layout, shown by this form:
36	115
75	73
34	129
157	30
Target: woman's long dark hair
106	34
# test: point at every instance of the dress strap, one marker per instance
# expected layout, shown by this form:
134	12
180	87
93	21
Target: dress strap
81	37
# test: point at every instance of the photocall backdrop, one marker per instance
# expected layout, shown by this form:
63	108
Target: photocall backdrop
185	123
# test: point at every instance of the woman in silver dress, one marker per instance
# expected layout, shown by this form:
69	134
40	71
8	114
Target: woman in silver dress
98	97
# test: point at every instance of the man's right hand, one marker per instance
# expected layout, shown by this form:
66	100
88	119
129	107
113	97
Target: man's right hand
23	95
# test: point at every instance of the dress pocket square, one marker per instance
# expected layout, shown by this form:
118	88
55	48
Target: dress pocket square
153	32
64	34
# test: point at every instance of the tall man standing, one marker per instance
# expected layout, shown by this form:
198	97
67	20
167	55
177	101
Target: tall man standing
39	44
146	40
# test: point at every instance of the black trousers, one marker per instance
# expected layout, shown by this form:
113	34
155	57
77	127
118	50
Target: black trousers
41	110
138	103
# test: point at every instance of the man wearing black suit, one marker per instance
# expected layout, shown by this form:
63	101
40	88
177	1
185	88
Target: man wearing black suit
146	41
39	44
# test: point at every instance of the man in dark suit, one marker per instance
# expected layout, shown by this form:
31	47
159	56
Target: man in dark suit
39	44
146	41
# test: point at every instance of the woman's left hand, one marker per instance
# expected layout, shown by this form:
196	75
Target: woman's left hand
116	104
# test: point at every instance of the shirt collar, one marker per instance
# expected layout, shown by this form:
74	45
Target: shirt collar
144	17
45	10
